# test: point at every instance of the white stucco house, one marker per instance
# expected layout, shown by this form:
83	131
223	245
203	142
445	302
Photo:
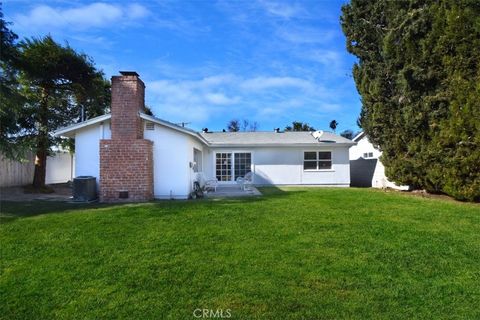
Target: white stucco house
366	169
178	153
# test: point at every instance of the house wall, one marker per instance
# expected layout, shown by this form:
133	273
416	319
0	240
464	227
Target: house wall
284	166
172	155
87	155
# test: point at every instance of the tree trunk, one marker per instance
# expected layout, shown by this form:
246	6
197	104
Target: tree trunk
40	167
42	142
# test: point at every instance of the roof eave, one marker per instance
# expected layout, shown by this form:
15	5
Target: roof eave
310	145
70	130
359	136
174	127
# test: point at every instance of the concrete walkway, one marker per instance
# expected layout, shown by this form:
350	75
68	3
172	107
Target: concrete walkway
227	191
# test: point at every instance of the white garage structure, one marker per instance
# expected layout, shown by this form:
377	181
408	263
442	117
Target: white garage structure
366	168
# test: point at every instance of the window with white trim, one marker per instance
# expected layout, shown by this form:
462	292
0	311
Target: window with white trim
317	160
367	155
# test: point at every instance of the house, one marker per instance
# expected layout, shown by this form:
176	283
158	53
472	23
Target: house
138	157
366	169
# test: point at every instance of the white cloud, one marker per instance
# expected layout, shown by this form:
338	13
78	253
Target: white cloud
306	35
266	83
136	11
220	99
223	96
326	57
94	15
282	10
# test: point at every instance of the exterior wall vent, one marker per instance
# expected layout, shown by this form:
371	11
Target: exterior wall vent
149	125
123	194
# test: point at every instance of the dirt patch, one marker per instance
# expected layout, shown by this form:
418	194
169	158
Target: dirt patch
61	192
425	194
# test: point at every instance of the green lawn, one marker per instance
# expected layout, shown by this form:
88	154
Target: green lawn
293	254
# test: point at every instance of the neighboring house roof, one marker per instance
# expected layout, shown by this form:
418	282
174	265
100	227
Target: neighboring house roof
288	138
231	139
359	136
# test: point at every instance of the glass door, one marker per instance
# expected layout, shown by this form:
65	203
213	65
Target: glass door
229	166
223	166
243	164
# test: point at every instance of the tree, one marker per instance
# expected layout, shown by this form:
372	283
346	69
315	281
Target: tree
347	134
253	126
333	125
233	125
418	74
11	99
57	82
299	126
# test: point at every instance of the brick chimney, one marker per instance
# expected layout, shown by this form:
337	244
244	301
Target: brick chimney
128	99
126	160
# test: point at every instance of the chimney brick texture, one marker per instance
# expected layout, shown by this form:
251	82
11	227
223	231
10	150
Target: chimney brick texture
126	160
128	99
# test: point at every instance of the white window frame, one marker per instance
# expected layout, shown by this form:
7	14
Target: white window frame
317	160
232	152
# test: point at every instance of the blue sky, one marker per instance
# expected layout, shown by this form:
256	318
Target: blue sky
206	62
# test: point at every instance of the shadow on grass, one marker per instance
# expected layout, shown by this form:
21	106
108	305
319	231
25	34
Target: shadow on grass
12	210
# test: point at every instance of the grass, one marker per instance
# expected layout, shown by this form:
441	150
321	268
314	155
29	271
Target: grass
293	254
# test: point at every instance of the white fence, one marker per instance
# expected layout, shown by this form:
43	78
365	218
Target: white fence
60	168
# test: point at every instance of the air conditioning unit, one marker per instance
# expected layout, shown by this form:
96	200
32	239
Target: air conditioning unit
84	189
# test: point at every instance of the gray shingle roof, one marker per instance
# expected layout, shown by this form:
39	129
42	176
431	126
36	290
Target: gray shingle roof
272	138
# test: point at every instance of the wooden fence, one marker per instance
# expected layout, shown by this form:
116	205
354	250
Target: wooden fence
60	169
16	173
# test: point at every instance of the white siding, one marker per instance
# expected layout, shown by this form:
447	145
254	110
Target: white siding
284	166
87	144
172	154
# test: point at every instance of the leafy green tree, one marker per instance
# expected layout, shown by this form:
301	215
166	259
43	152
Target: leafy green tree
299	126
418	74
58	82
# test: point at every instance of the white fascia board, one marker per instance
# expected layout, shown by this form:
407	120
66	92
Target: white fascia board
310	145
174	127
70	130
358	136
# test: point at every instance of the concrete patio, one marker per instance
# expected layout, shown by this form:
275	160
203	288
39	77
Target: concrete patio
227	191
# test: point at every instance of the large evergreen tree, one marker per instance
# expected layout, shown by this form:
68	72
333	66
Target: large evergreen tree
11	99
418	74
57	82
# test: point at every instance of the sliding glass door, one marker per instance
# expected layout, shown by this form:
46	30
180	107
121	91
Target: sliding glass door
231	165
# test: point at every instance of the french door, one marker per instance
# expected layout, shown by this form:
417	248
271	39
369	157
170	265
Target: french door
231	165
